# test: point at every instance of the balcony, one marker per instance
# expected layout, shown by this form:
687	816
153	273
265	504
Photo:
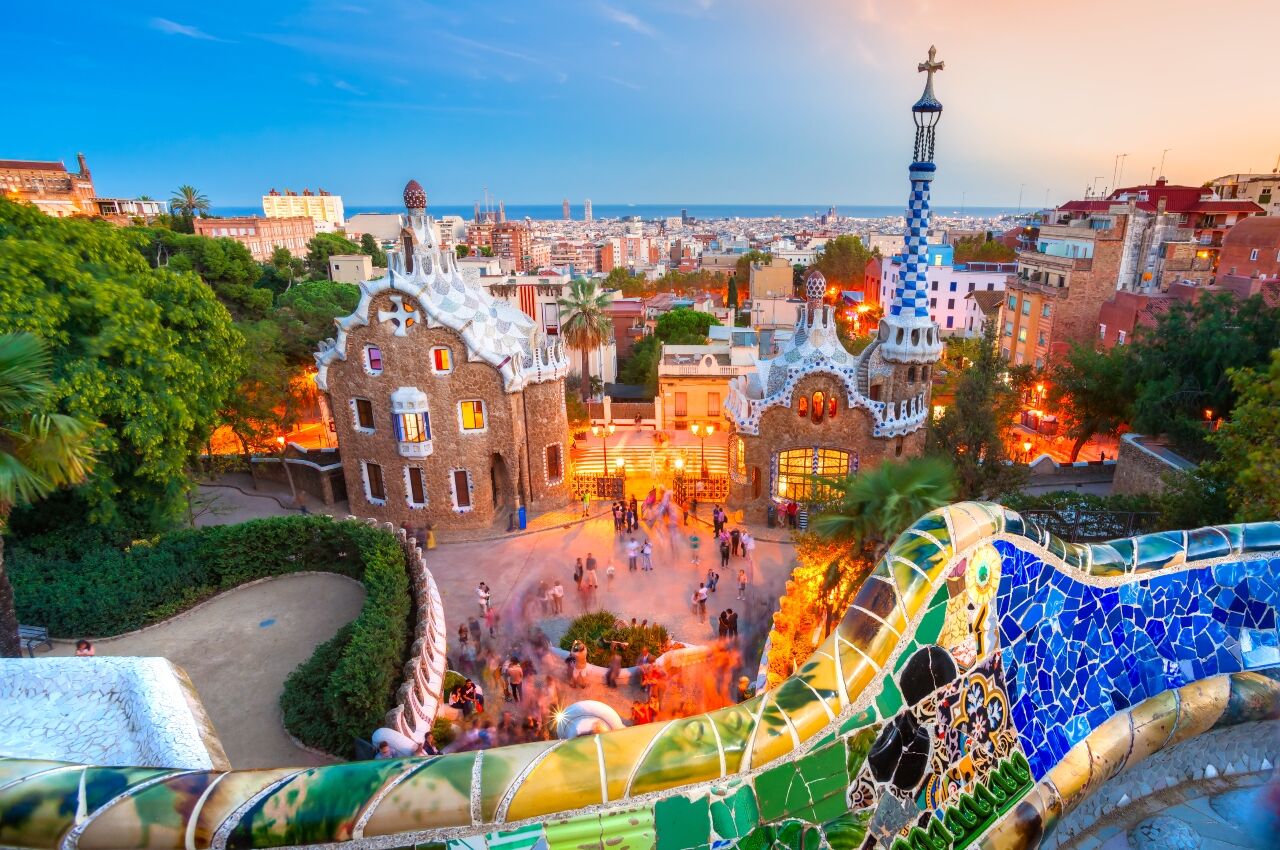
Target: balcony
420	448
701	370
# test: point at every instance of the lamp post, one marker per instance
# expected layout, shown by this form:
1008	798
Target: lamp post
702	432
604	432
1026	450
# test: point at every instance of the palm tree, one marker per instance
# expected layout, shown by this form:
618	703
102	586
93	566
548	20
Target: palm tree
584	324
189	201
873	508
39	452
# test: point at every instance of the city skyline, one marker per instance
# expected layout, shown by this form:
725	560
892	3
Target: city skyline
698	103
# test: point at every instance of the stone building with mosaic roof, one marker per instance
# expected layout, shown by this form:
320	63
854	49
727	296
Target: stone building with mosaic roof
816	409
448	404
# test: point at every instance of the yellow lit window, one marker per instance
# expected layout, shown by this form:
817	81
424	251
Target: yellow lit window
442	359
472	415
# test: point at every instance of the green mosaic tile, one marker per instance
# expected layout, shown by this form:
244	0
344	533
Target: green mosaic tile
905	656
848	831
857	746
890	701
682	823
931	623
629	829
524	838
574	834
863	718
735	814
812	787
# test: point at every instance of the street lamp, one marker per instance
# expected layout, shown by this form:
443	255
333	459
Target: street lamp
702	432
604	432
1026	449
621	463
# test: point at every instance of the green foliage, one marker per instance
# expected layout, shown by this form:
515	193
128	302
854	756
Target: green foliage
1091	392
1075	500
972	433
584	323
189	201
79	590
486	251
462	250
324	245
599	628
843	262
979	249
642	366
149	353
224	264
306	313
742	268
282	271
370	246
574	407
1196	498
684	326
1249	443
732	299
1182	366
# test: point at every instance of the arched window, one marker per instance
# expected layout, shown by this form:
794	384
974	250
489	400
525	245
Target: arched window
924	373
803	406
911	374
831	408
897	448
819	406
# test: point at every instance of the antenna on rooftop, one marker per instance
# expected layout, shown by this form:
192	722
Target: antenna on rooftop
1163	154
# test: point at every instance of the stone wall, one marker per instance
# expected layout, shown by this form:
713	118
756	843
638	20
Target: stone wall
1142	464
500	473
783	428
317	473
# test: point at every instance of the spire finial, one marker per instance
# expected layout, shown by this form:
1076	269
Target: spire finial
931	65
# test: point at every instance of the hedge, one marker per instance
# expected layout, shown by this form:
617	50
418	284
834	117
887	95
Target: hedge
597	629
340	693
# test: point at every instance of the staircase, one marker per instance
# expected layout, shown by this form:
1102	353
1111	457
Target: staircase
864	368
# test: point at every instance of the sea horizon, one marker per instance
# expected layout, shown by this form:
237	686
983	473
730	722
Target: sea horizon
602	211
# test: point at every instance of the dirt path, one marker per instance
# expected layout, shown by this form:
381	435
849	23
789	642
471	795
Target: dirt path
239	648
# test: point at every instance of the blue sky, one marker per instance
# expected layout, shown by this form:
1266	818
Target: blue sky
687	101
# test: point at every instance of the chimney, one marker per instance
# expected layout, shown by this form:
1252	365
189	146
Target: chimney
1162	180
84	169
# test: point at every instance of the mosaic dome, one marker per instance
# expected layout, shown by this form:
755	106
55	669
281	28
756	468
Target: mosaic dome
415	197
815	286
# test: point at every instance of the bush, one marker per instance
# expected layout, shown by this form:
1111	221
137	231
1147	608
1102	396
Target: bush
340	693
598	629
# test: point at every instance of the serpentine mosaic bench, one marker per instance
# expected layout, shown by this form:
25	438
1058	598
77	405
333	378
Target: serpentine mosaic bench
988	679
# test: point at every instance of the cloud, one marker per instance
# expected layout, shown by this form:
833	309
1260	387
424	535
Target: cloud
627	84
490	48
628	20
169	27
343	85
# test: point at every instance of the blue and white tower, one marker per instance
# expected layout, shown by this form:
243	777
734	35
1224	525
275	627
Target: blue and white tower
907	333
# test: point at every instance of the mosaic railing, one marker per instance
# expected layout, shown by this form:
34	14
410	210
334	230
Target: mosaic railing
966	699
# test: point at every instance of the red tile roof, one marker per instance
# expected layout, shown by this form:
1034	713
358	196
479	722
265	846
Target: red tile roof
1226	207
1254	232
31	165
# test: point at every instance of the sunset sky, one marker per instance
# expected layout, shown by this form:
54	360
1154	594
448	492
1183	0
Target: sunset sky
690	101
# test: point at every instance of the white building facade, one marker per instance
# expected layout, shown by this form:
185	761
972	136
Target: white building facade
948	285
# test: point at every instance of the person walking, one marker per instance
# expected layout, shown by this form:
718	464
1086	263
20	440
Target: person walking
748	547
724	553
693	546
617	518
700	601
615	668
586	503
592	579
742	584
515	680
473	625
735	542
578	571
462	635
557	598
646	552
733	623
579	656
544	597
713	579
722	625
633	549
483	596
635	514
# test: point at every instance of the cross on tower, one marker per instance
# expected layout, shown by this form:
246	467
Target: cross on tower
401	317
931	65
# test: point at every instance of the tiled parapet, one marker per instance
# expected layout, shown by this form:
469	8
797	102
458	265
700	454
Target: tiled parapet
979	643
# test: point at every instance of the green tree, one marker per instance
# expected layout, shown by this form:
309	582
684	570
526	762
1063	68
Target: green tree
39	451
1090	392
370	246
324	245
185	204
1181	367
1249	443
306	312
684	326
584	322
224	264
873	508
282	271
149	353
843	262
986	249
642	366
486	251
732	300
462	250
974	430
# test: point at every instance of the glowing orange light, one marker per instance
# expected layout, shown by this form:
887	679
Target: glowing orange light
1026	446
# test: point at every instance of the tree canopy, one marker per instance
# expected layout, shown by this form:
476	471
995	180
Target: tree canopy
370	246
224	264
843	261
983	249
972	431
324	245
1090	392
149	353
306	313
1249	443
684	326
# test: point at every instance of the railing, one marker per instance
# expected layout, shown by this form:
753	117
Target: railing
1083	526
699	369
600	486
713	488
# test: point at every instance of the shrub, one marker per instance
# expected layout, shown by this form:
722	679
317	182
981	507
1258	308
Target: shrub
340	693
598	629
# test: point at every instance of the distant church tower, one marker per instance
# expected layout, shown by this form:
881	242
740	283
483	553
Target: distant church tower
907	334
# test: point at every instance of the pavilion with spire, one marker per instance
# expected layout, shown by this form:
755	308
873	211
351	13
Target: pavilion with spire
816	409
